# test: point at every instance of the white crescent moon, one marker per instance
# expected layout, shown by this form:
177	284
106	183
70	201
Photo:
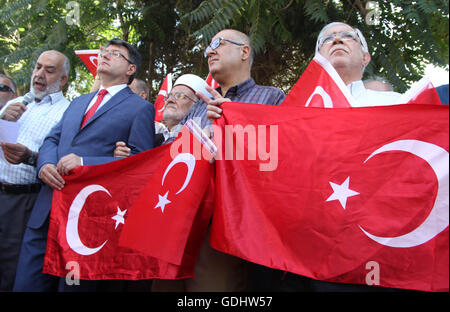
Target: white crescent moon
438	219
327	102
92	58
72	235
187	159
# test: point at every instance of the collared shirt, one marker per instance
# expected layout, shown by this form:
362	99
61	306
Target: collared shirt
35	123
111	92
366	97
246	92
168	135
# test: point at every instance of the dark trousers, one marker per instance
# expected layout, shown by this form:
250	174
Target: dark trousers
14	214
30	278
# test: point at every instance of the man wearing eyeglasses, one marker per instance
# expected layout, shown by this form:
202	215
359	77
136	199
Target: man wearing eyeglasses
7	90
230	59
346	49
86	135
177	105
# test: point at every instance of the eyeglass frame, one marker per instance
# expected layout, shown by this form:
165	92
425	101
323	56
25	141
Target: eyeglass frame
166	97
219	40
8	88
114	53
340	34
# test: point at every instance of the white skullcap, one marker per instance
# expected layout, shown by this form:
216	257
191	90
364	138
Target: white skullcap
194	82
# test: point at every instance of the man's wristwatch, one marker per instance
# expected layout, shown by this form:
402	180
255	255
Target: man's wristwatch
32	159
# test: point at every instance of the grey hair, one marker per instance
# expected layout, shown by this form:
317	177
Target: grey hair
142	86
363	41
380	79
66	67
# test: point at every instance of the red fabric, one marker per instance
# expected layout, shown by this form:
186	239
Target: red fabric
426	95
159	102
93	109
211	82
90	59
123	182
170	225
315	88
289	219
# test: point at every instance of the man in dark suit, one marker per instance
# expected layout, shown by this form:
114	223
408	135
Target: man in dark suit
86	135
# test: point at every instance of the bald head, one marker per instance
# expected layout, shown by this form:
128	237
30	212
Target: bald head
240	37
230	57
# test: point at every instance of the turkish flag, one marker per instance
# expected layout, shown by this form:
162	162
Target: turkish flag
168	208
211	82
356	195
159	102
90	59
90	212
320	86
421	92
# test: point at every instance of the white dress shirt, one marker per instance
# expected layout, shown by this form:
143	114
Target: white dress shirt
366	97
168	135
111	92
35	123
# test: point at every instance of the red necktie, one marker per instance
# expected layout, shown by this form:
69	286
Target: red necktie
94	107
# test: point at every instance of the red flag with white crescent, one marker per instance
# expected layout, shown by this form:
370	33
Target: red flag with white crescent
421	92
343	195
320	86
159	102
89	214
211	82
90	59
168	208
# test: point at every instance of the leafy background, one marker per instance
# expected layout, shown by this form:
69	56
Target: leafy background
172	34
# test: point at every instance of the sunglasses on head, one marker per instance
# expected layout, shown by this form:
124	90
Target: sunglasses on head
5	88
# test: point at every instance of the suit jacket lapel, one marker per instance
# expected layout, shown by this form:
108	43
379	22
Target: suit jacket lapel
73	123
114	101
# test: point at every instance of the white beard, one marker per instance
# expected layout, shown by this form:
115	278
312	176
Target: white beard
53	88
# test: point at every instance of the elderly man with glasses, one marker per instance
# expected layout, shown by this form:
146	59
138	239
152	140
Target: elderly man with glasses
86	135
177	105
346	49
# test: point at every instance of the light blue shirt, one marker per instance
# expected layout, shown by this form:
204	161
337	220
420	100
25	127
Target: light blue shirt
35	123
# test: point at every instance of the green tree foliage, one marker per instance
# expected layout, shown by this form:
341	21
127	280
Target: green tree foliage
403	36
172	34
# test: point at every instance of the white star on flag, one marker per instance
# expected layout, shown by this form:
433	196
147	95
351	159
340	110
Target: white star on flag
163	201
119	217
341	192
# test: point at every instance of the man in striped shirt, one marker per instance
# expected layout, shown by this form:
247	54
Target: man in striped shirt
230	58
18	179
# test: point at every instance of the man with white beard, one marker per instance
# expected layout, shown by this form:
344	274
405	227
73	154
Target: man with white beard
19	185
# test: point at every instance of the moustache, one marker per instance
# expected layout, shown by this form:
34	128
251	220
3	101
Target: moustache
339	47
